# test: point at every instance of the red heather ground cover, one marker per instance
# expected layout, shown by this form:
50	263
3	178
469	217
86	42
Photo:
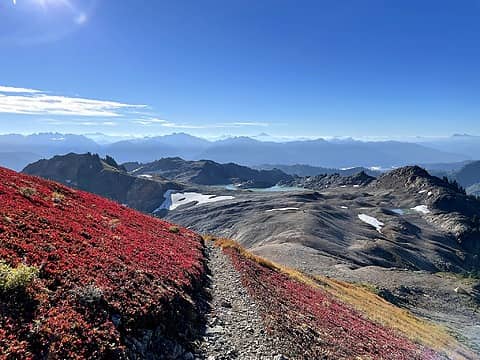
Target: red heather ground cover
314	324
83	244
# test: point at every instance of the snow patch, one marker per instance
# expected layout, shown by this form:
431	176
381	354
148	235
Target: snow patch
423	209
283	209
146	176
343	207
174	200
372	221
137	170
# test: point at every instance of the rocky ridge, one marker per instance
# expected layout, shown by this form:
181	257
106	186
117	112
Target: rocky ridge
207	172
104	177
320	182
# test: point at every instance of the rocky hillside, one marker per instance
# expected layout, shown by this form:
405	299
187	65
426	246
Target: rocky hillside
319	182
308	170
82	277
445	204
104	177
206	172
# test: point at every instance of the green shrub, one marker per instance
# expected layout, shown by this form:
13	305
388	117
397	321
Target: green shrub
16	279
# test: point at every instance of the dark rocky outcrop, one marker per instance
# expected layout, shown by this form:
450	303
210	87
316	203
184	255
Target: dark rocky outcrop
104	177
319	182
206	172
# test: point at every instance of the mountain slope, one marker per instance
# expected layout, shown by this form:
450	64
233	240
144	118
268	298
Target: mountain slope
104	177
83	277
313	323
468	175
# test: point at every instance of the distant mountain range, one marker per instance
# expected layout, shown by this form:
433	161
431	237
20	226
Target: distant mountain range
468	145
16	151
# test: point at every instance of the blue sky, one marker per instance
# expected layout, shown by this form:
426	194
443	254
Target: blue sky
288	68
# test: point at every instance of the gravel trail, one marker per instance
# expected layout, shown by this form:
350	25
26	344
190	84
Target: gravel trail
234	326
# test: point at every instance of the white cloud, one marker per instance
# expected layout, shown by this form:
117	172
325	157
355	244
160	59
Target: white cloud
35	102
9	89
93	123
153	121
234	124
76	122
169	124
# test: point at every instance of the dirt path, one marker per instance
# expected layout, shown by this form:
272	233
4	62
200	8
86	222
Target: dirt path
234	326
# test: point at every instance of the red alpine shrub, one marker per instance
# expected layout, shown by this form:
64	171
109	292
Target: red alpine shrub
97	261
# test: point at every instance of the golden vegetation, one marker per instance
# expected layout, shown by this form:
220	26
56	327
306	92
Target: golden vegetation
57	197
16	279
28	192
174	229
387	314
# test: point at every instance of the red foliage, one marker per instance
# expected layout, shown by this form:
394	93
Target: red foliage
314	324
80	241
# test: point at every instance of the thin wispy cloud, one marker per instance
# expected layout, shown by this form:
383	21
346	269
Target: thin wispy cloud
35	102
60	110
261	124
76	122
170	124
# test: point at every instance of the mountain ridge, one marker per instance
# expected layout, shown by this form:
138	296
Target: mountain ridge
241	150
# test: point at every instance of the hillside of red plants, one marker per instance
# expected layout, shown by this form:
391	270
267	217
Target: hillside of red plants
314	324
101	272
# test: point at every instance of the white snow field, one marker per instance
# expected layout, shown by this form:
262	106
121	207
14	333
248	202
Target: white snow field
283	209
423	209
173	200
371	221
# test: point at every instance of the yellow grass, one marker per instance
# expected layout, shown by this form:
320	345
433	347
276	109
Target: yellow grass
366	302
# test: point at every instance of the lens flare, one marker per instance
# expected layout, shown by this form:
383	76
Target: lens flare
44	21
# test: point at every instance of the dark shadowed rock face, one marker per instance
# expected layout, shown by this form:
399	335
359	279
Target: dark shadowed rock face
104	177
206	172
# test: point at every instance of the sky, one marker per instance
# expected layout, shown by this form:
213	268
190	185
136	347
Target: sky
291	68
